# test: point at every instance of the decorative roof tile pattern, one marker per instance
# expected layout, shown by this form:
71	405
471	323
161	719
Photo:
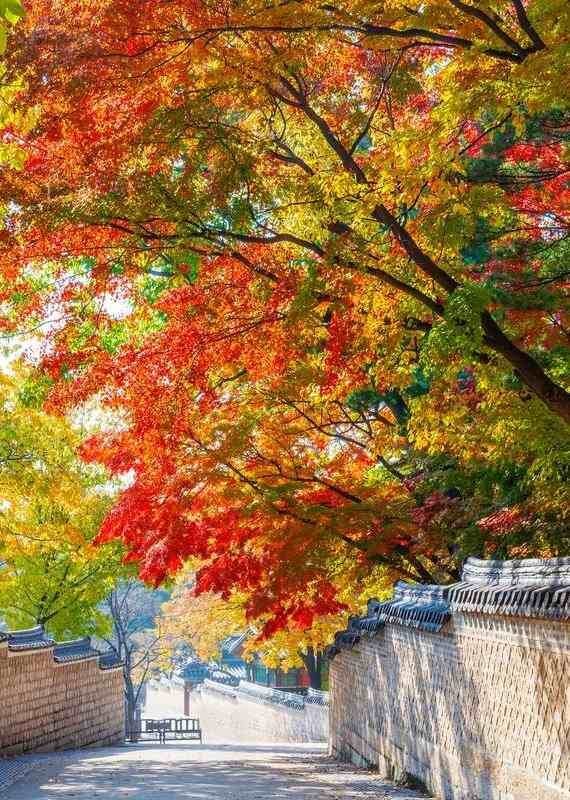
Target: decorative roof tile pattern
417	606
539	570
316	697
109	660
528	588
270	695
30	639
232	644
413	606
239	672
36	638
223	676
75	651
266	694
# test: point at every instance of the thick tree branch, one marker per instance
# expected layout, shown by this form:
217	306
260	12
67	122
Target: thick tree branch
525	24
489	22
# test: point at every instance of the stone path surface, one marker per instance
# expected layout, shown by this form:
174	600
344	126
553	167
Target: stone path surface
13	769
200	772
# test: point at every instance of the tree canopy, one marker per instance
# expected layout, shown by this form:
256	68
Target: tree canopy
315	256
51	508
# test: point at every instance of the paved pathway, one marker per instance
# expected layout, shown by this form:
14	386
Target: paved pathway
199	772
13	769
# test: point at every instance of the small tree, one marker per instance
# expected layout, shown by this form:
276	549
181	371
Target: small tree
135	640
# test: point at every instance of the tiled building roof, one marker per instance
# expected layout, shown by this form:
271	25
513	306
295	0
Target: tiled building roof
232	643
238	672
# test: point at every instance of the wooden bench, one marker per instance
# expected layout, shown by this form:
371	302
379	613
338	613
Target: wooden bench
171	728
183	728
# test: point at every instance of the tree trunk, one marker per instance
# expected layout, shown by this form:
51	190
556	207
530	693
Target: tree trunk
313	661
131	710
529	371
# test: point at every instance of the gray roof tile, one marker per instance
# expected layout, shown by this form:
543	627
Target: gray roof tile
538	588
533	587
76	650
30	639
109	660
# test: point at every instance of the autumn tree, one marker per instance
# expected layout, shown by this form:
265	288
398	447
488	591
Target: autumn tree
315	256
205	621
135	639
51	508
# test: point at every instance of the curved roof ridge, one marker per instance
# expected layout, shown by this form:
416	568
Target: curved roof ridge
527	570
532	587
29	639
75	650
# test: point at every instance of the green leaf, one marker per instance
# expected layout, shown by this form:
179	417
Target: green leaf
11	10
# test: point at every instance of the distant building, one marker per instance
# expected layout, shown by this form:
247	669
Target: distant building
232	662
194	671
231	668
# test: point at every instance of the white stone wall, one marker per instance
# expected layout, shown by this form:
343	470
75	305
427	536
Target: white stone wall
480	711
164	699
228	715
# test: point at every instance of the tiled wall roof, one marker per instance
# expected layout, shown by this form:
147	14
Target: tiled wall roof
109	660
34	639
30	639
75	651
527	587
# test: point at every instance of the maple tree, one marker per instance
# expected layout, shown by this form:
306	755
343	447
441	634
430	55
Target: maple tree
206	620
316	255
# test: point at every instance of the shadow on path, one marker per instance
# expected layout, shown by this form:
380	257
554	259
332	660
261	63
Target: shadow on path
200	772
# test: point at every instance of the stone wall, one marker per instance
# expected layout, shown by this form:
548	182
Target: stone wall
163	698
467	690
246	713
57	696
